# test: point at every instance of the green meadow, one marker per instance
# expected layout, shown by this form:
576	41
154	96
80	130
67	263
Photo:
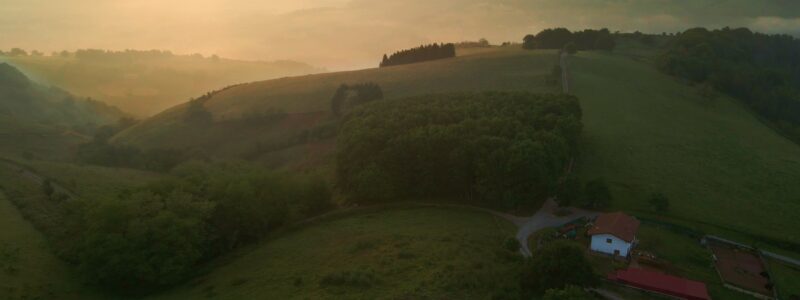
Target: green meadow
28	267
646	132
406	253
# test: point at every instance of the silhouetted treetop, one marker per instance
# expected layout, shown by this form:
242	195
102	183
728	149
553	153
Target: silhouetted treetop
419	54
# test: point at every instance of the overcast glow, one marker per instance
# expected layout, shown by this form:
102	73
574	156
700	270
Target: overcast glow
346	34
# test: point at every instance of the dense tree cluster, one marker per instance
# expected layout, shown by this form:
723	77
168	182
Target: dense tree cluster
156	235
558	38
348	96
557	265
419	54
503	149
99	151
761	70
481	43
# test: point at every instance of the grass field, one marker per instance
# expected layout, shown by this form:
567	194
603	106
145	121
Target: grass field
645	132
417	253
28	268
786	279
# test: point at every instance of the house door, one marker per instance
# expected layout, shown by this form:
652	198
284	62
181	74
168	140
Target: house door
616	252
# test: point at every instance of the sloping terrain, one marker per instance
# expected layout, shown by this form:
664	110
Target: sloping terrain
646	132
415	253
306	102
45	121
28	267
144	83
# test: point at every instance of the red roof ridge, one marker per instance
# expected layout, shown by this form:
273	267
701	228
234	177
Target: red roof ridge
662	283
617	224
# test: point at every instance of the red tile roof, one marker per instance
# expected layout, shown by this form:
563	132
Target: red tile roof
618	224
662	283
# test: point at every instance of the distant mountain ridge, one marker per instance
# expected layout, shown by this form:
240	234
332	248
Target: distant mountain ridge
26	100
144	83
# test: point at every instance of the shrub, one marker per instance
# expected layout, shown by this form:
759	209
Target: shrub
569	292
596	194
659	202
511	244
556	266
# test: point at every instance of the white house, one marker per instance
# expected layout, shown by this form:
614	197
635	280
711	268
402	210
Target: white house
614	234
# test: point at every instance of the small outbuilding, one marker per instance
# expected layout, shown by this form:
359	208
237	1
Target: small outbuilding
614	234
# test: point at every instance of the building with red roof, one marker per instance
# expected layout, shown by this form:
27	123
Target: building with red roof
614	233
662	283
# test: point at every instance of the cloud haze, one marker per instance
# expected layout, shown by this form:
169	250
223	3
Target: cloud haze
345	34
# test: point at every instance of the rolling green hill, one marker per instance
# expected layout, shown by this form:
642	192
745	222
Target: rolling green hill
415	253
146	82
305	101
644	131
45	121
28	267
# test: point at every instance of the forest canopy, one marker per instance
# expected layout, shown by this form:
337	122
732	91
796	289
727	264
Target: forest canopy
557	38
504	149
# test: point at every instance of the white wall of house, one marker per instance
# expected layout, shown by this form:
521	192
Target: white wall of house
606	243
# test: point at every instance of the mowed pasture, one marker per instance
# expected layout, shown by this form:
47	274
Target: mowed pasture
500	69
721	168
28	267
398	253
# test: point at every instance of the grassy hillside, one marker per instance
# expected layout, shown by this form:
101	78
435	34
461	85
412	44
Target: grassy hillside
94	182
20	138
45	122
398	254
28	267
646	132
306	99
143	82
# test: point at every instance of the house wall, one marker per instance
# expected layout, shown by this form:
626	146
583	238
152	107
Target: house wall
600	244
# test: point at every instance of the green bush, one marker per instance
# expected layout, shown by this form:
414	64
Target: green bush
556	266
511	244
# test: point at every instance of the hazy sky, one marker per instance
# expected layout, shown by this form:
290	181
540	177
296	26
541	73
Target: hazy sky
340	34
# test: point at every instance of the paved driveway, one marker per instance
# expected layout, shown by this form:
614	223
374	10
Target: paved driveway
542	219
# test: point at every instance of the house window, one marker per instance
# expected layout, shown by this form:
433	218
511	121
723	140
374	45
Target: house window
609	241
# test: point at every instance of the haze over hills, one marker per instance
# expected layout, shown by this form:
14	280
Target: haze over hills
36	118
474	149
143	83
306	100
